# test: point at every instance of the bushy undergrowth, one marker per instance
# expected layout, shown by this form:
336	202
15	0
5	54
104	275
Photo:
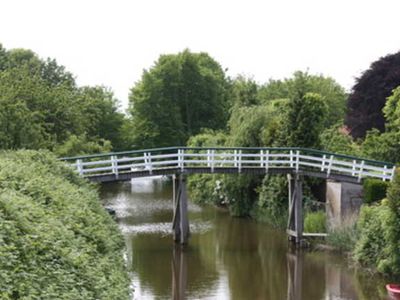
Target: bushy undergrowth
379	242
315	222
344	236
374	190
373	227
56	241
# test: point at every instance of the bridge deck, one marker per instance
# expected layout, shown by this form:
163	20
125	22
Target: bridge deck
110	177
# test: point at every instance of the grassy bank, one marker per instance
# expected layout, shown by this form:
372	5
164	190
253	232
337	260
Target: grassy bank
56	240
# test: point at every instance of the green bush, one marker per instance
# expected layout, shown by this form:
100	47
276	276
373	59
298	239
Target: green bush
315	222
374	190
379	242
57	242
373	227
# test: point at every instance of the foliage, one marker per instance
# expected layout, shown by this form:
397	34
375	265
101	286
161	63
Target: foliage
206	188
336	139
101	118
244	92
343	237
373	226
304	121
379	229
41	106
253	126
391	110
302	83
315	222
382	146
374	190
368	97
176	98
272	200
208	138
57	242
241	193
80	145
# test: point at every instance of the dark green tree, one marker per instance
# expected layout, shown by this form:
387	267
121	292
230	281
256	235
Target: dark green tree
303	121
176	98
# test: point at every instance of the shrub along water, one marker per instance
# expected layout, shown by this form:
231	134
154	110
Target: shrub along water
57	242
379	242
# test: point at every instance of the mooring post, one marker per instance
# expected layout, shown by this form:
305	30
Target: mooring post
180	222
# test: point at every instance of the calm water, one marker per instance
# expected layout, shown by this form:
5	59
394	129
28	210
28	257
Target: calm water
227	258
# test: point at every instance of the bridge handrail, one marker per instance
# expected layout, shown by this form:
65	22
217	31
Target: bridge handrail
308	150
294	158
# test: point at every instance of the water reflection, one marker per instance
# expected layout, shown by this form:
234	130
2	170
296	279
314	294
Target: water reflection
227	258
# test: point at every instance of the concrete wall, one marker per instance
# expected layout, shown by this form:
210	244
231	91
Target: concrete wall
343	200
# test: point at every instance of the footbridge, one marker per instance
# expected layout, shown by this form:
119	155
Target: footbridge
181	161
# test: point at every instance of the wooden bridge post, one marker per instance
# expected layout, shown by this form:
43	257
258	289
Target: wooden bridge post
295	219
180	222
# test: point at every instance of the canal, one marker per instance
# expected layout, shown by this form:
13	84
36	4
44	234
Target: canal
227	258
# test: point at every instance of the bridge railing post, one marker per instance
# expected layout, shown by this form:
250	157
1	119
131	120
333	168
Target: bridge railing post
353	168
114	164
291	158
261	158
328	172
181	162
323	163
297	161
240	161
361	170
212	157
393	172
79	166
149	163
266	163
235	158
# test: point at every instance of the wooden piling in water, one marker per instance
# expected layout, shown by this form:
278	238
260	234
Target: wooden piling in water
180	222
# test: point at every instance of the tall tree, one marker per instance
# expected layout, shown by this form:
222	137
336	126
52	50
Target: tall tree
176	98
369	95
304	121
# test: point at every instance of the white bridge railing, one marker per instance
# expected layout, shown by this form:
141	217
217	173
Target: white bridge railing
181	158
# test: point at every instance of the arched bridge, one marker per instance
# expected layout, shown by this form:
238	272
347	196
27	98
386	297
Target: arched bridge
120	166
295	162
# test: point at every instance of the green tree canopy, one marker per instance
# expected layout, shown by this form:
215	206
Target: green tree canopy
181	94
302	83
41	106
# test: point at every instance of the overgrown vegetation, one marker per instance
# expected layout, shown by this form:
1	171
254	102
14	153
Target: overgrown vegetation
57	241
315	222
379	242
344	236
374	190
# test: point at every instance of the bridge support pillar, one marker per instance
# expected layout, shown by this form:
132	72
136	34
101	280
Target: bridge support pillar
295	219
180	222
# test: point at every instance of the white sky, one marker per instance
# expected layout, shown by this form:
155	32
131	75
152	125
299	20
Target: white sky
111	42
